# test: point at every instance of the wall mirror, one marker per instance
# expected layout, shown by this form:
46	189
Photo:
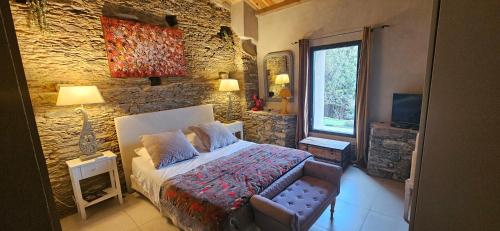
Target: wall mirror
278	67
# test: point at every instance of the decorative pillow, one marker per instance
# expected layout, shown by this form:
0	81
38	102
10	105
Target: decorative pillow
168	148
196	142
214	135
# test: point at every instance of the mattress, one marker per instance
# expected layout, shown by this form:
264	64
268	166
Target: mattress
149	180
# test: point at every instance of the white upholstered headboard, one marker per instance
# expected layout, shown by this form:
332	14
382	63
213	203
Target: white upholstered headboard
130	128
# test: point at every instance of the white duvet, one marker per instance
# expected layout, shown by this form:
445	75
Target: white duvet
151	179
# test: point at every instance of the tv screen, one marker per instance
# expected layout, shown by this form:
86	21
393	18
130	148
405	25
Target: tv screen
406	110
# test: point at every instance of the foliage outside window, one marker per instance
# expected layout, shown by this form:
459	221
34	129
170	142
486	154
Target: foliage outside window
334	80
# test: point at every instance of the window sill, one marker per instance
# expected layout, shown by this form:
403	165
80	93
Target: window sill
333	136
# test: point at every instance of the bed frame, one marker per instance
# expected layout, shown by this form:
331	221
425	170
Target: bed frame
130	128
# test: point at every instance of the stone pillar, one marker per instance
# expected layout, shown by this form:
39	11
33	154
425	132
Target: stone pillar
270	128
390	151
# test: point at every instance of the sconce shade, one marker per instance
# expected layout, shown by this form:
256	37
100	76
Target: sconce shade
79	95
282	79
229	85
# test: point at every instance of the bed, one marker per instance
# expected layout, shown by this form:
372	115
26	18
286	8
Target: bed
141	176
147	180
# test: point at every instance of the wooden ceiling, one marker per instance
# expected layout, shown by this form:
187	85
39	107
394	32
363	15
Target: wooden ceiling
262	6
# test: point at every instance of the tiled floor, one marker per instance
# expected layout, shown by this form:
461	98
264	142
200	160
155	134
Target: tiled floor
365	204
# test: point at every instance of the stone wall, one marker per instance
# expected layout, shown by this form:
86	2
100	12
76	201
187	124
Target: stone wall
270	128
390	151
71	51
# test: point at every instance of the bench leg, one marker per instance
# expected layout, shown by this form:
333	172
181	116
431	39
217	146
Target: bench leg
332	208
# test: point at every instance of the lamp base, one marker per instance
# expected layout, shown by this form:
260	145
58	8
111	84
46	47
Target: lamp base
90	157
229	104
284	106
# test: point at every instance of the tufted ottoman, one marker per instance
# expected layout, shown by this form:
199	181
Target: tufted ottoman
298	204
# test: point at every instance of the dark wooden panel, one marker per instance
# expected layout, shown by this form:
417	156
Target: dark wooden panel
458	177
27	202
127	13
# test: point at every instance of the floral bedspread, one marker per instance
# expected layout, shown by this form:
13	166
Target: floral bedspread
208	194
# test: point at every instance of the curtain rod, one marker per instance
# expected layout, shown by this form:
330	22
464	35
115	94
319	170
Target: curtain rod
344	33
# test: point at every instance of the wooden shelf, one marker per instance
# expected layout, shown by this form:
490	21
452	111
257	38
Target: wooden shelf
109	193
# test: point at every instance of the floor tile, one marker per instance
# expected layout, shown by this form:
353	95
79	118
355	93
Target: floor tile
106	213
140	210
158	224
347	217
359	191
117	221
71	222
379	222
356	173
365	203
389	200
316	228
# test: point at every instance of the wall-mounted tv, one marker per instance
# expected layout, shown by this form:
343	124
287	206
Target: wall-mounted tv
406	110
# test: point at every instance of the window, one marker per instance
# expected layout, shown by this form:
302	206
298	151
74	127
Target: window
333	88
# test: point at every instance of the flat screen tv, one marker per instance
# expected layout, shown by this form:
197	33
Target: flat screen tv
406	110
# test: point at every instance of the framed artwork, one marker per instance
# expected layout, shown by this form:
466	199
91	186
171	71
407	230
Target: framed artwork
136	49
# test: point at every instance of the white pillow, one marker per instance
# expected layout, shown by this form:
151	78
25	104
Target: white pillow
168	148
142	152
214	135
191	137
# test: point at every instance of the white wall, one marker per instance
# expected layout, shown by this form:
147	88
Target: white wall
243	21
400	51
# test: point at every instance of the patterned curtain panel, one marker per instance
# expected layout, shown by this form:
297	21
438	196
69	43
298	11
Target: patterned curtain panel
362	129
304	73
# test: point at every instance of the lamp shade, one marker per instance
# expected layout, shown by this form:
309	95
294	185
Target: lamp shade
229	85
79	95
282	79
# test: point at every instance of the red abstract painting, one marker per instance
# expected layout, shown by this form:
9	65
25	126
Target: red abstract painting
136	49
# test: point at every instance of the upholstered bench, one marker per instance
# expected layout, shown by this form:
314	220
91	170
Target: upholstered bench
297	201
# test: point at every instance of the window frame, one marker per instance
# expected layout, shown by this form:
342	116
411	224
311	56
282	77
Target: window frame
311	86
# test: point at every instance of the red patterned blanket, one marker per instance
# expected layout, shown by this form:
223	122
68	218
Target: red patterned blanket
208	194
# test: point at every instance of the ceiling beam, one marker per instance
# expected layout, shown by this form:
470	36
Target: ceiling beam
277	6
258	4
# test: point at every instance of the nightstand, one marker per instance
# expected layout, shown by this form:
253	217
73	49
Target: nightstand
235	127
79	170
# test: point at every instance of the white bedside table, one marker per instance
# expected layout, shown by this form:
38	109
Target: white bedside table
79	170
235	127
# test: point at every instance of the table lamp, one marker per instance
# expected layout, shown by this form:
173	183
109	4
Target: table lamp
229	85
285	93
81	95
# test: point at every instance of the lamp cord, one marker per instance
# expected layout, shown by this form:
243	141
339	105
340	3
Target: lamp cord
61	202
